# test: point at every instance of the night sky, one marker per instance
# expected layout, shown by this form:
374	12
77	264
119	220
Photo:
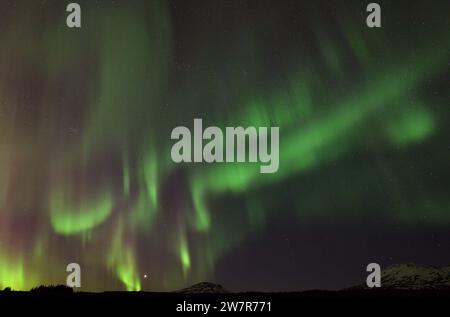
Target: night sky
86	116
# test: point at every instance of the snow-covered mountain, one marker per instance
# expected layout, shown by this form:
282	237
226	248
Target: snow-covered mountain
415	277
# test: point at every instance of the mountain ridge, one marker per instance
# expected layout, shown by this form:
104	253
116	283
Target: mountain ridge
411	276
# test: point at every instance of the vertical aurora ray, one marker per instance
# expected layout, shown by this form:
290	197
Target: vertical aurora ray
122	260
12	275
125	176
185	257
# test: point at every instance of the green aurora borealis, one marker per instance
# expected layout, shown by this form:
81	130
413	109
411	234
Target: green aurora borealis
85	120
